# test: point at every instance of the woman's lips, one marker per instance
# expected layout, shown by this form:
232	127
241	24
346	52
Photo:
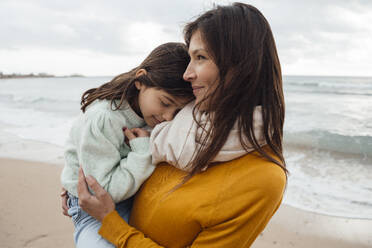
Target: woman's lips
196	89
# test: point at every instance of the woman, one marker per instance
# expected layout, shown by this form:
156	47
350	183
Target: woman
234	68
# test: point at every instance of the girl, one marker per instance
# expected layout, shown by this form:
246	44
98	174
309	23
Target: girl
234	69
149	94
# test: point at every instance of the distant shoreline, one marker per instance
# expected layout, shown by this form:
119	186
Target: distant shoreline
32	75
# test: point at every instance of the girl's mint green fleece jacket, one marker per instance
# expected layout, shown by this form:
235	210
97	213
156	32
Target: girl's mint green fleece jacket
96	142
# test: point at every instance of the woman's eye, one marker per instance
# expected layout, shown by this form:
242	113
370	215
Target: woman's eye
200	57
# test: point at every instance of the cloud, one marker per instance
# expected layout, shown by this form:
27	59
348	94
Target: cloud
322	37
313	37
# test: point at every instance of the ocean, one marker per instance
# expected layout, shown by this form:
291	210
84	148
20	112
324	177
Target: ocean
327	134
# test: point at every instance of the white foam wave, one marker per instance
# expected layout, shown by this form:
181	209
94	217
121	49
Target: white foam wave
323	182
36	125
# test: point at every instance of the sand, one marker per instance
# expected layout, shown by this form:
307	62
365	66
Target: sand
30	213
292	227
31	216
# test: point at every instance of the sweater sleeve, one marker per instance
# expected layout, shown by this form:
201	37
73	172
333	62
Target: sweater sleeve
240	231
118	232
99	154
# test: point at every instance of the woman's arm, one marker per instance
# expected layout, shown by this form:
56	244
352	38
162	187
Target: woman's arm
102	207
230	226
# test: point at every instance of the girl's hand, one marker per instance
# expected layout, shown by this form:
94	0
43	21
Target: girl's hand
98	205
64	198
135	133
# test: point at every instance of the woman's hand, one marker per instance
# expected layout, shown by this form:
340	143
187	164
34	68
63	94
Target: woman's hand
64	198
98	205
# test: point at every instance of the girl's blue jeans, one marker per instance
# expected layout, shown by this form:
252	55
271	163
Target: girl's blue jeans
86	227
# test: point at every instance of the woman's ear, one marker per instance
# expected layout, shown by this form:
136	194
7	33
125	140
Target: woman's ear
141	72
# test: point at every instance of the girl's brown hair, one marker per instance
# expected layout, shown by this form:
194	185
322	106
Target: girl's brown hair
241	43
165	66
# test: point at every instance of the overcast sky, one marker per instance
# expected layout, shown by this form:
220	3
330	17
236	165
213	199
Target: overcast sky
96	37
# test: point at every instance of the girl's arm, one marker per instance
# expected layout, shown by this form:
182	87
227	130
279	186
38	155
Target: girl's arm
64	198
99	150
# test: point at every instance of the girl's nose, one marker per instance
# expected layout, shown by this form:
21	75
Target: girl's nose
189	75
168	116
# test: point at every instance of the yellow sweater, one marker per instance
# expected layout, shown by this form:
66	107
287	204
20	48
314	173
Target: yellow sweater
228	205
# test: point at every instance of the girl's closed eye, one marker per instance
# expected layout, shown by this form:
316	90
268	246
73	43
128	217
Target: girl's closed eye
165	104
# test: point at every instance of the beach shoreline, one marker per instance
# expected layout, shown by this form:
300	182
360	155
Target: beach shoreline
31	215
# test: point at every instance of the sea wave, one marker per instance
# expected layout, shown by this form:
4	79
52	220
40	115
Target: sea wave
10	98
324	84
317	88
329	182
326	140
6	97
334	92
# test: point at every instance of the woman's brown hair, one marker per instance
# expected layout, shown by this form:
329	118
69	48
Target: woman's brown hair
164	67
241	43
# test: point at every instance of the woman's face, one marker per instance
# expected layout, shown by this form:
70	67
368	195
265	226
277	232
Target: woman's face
202	72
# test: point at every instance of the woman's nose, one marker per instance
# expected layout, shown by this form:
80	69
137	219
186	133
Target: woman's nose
189	75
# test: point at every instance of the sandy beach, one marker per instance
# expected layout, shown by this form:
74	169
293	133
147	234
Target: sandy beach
30	206
31	216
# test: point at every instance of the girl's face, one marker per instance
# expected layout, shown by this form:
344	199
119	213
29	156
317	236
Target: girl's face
202	72
157	105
